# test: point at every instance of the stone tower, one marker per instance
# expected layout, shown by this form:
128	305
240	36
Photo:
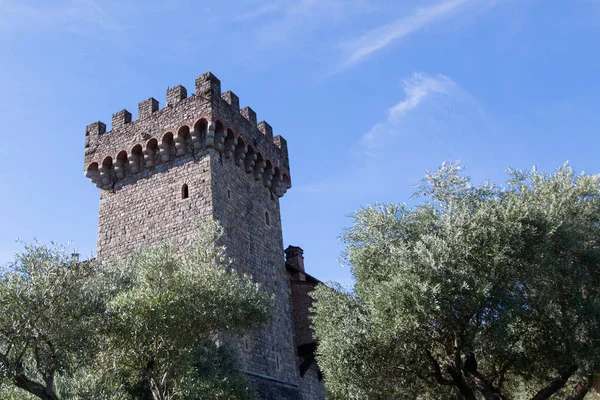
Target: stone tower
202	157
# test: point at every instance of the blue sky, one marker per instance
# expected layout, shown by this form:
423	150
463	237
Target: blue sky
369	95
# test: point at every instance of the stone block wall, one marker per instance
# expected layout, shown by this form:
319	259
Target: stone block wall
311	384
147	209
249	212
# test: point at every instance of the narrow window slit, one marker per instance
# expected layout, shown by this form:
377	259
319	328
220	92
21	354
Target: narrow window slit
184	191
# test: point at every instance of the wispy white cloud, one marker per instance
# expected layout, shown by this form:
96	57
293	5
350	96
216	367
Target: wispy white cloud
71	15
417	89
259	10
302	10
359	49
82	17
290	22
430	104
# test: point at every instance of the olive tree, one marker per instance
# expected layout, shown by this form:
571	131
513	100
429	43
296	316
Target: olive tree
152	328
176	309
478	291
50	308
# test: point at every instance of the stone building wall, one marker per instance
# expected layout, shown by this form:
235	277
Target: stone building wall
311	384
147	209
235	171
256	245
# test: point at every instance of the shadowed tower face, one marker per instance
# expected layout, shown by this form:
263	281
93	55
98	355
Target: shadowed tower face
201	157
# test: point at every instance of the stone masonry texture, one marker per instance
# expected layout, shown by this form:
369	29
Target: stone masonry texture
201	157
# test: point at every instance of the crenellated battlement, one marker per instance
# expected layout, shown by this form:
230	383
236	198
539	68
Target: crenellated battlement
189	125
231	99
147	107
208	86
175	95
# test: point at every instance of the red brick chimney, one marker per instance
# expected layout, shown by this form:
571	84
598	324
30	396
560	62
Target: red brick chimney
294	257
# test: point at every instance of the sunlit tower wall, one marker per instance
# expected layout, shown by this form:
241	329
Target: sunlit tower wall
198	158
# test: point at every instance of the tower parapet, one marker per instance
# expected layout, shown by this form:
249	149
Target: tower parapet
188	125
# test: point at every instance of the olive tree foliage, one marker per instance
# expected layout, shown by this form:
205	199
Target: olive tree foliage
50	308
151	329
176	303
477	292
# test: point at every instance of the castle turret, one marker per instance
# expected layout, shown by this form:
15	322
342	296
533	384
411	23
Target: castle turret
202	157
204	120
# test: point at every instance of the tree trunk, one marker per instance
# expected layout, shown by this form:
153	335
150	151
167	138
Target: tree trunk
464	390
459	381
479	381
155	388
158	387
466	393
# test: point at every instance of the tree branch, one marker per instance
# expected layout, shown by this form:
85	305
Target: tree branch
487	389
457	350
22	353
49	380
437	371
556	384
581	388
4	359
34	388
502	373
